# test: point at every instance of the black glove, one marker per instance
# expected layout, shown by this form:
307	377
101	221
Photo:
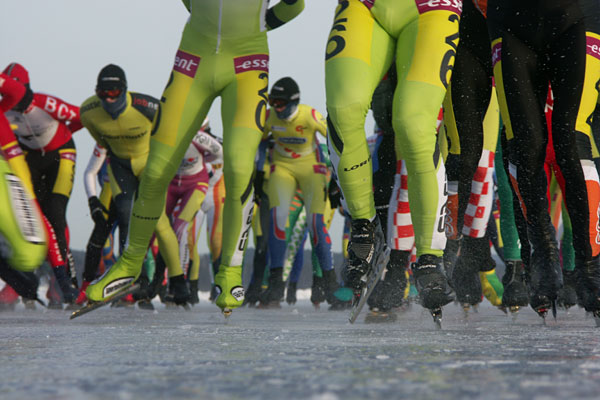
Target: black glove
97	210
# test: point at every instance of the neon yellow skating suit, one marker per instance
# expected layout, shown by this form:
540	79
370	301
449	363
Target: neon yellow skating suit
366	37
223	52
22	236
127	139
297	162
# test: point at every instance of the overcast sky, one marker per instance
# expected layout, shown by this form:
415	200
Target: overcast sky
64	44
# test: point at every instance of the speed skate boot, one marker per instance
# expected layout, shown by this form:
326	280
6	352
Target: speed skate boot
544	277
515	293
274	293
450	256
63	278
474	254
178	291
567	295
392	290
253	293
142	295
365	252
588	286
290	294
331	286
432	285
229	285
115	280
193	286
317	291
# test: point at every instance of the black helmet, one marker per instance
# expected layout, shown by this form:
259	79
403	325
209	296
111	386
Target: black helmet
111	80
284	97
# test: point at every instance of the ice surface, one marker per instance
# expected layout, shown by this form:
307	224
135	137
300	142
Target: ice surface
296	352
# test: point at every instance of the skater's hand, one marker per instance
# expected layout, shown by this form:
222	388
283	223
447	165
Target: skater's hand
97	209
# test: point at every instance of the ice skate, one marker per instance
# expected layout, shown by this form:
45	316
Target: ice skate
567	295
368	256
229	285
116	295
515	293
290	295
432	285
588	287
390	293
253	294
273	296
178	292
193	288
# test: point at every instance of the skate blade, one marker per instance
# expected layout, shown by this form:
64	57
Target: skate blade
437	318
95	305
379	317
359	302
554	309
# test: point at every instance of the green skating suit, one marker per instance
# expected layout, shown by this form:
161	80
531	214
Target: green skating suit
366	37
223	52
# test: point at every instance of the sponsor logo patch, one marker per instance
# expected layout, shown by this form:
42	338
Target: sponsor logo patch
593	47
116	285
496	53
186	63
435	5
292	140
255	62
238	293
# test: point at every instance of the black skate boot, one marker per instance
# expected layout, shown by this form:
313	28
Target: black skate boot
365	252
367	258
515	292
450	257
253	294
290	295
432	285
193	287
317	291
330	287
544	278
142	295
178	292
274	293
474	254
588	286
63	278
389	293
567	295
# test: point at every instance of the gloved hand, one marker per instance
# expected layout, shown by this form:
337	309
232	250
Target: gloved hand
258	186
97	209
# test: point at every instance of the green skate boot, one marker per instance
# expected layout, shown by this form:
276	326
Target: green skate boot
229	286
117	278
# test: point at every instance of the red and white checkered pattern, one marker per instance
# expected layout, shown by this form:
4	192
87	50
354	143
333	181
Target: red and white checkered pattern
400	230
482	195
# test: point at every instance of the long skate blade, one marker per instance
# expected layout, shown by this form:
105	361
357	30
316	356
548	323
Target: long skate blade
371	282
93	306
554	309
